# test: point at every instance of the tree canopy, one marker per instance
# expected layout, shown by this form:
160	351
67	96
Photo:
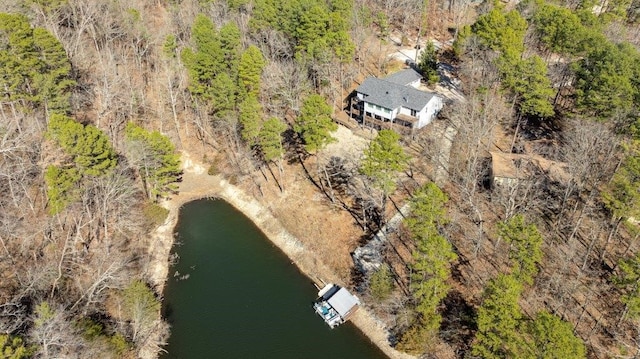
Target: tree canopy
606	80
13	348
560	29
621	195
155	158
501	31
90	148
212	65
316	30
383	159
504	32
428	63
431	267
270	139
250	69
498	319
549	337
62	187
629	281
525	252
35	67
314	124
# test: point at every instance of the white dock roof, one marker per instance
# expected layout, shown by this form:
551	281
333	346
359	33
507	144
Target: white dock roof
342	301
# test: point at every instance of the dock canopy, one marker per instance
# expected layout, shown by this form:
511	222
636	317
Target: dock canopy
343	302
335	304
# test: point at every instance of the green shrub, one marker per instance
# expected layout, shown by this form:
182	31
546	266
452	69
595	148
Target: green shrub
155	214
90	328
118	343
381	283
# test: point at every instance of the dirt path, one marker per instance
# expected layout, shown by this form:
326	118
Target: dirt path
198	184
442	161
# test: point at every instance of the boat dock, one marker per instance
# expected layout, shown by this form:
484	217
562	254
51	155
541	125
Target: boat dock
335	304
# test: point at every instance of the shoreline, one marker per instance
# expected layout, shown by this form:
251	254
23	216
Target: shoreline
198	184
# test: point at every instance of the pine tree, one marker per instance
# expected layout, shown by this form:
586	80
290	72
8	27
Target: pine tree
270	139
383	159
381	283
549	337
249	71
221	96
606	79
309	28
314	124
428	211
250	117
90	147
501	31
156	159
52	79
621	195
62	187
534	88
170	46
231	46
93	152
629	282
416	340
35	67
528	81
431	267
13	348
525	252
428	63
560	29
498	320
206	60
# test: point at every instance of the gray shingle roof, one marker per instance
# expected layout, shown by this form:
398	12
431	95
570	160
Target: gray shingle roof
404	77
392	95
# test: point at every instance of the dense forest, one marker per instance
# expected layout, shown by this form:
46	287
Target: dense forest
99	98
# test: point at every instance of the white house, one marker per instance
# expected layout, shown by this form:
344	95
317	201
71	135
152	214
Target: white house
396	99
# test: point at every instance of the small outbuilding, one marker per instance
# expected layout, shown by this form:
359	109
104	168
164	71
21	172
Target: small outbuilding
335	304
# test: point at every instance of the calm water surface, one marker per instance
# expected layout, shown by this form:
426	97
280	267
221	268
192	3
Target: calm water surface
243	298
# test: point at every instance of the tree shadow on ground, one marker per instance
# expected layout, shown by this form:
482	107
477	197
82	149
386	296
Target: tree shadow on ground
458	323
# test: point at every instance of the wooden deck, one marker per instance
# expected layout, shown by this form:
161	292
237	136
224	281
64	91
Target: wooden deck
403	124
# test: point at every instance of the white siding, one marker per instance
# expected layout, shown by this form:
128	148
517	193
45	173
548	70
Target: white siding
429	112
394	113
405	111
377	110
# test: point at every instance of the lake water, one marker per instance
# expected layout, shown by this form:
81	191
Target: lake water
243	297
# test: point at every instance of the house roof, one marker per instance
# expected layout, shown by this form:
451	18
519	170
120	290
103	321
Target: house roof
342	301
404	77
391	95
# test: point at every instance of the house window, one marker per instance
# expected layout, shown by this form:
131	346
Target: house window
414	113
386	110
